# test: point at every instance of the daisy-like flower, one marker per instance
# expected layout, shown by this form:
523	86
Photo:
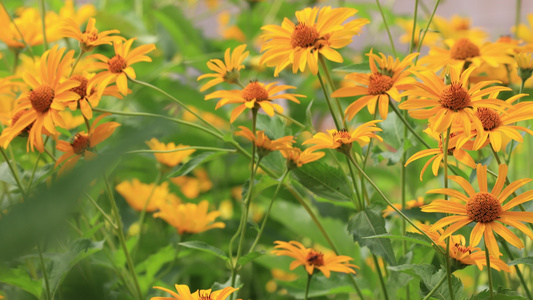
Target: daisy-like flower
311	259
297	158
379	86
188	217
190	186
457	27
254	96
419	202
90	38
227	70
341	140
28	23
430	39
464	51
184	293
118	68
70	121
171	159
137	194
456	147
525	32
524	61
318	31
497	125
450	103
486	209
263	143
40	105
82	142
463	255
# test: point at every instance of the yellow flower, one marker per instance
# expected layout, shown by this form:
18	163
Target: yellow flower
227	70
342	140
82	142
318	31
524	61
40	105
28	22
137	194
311	259
263	143
90	38
297	158
80	16
229	32
450	103
408	205
191	187
188	217
184	293
379	86
457	27
254	96
70	121
525	32
430	39
171	159
485	209
209	117
118	68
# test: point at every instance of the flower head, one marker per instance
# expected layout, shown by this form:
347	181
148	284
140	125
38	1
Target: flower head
486	209
188	217
318	31
297	158
227	70
263	143
137	194
184	293
254	96
90	38
408	205
524	61
378	87
312	259
170	159
525	32
190	186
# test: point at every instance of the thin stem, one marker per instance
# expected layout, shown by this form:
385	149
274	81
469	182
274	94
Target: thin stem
404	121
267	214
182	149
291	120
360	204
518	9
367	154
445	142
329	78
45	275
387	28
36	165
421	38
441	281
412	44
106	217
120	232
76	62
326	95
43	22
403	183
15	174
517	269
380	276
309	277
489	271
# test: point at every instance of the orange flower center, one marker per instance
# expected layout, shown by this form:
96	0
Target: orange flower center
455	97
489	118
483	208
315	258
16	117
464	49
80	143
304	36
462	249
254	91
379	84
341	134
92	35
117	64
205	296
82	88
41	98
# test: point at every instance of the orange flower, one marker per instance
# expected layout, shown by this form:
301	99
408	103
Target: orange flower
297	158
311	259
184	293
255	95
188	217
263	143
408	205
170	159
118	68
485	209
191	187
137	194
90	38
227	70
82	142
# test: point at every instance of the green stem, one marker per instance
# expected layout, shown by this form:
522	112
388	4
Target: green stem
309	277
387	28
45	275
367	154
36	165
360	204
404	121
445	142
329	78
489	271
518	9
403	183
120	232
328	101
380	276
76	62
412	44
15	174
267	214
421	38
517	269
43	22
441	281
106	217
291	120
182	149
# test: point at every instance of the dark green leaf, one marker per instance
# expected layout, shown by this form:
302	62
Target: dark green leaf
21	279
500	294
528	260
325	181
206	248
410	237
243	260
194	162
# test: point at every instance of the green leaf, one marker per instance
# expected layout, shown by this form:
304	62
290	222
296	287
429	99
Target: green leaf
368	223
243	260
528	260
206	248
264	182
6	175
500	294
325	181
152	265
410	237
338	283
21	279
194	162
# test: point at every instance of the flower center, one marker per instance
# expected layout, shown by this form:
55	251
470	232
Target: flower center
455	97
304	36
341	134
489	118
483	208
204	296
463	249
315	258
16	117
117	64
82	88
41	98
254	91
464	49
92	35
379	84
80	143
